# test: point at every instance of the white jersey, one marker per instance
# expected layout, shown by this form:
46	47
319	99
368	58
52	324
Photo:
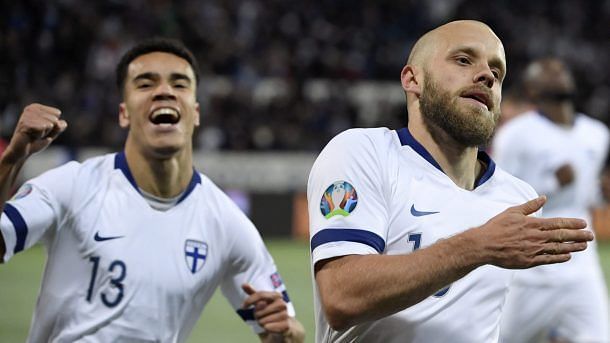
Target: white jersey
120	271
377	191
572	295
532	148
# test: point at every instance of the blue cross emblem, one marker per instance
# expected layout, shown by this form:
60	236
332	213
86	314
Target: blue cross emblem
195	253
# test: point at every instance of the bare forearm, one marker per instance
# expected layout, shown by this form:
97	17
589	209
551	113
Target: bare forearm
358	288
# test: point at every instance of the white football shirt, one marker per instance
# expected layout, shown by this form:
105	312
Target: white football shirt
532	148
378	191
119	270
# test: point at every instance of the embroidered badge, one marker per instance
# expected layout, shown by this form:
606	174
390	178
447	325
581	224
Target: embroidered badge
340	198
195	253
276	280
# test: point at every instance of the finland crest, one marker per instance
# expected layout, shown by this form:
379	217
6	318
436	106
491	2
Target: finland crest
195	254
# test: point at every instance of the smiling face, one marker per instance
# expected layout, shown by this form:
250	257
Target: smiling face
457	72
160	107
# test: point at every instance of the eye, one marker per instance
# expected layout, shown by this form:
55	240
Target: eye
143	85
181	85
462	60
496	74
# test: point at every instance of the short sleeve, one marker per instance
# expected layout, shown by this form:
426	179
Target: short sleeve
37	209
250	263
346	196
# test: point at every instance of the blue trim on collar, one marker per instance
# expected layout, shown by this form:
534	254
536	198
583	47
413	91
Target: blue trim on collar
407	139
195	180
120	162
489	171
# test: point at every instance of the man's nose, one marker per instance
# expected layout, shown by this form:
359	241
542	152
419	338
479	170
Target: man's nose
486	77
164	91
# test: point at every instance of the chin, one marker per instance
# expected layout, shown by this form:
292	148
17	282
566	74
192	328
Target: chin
166	151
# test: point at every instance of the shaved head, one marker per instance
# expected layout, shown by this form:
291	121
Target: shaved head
426	45
453	82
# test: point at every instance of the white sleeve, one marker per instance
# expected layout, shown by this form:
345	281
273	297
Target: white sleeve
250	263
346	200
37	208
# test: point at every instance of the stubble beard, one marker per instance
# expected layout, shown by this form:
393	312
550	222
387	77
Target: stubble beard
470	127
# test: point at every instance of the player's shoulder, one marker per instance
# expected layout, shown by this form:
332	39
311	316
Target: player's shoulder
75	171
513	184
363	139
213	195
523	122
519	131
591	124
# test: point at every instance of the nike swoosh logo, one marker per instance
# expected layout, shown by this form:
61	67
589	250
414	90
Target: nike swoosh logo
99	238
417	213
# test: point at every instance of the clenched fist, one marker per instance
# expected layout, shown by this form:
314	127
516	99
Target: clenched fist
38	126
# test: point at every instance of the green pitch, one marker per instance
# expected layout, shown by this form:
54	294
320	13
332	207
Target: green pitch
20	279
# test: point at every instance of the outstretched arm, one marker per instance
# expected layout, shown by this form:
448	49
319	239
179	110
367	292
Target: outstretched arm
37	127
271	313
349	289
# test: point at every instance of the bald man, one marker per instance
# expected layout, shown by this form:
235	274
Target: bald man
418	245
561	153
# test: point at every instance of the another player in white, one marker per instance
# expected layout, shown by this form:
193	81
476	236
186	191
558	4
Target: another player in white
414	257
137	241
561	154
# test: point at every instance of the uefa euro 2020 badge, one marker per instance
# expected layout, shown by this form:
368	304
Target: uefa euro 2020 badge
340	198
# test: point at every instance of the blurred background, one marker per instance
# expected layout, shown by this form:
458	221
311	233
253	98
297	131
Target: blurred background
279	79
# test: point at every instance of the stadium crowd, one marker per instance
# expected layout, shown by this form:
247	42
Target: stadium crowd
277	75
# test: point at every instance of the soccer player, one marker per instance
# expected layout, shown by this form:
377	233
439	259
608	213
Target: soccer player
560	153
409	228
138	241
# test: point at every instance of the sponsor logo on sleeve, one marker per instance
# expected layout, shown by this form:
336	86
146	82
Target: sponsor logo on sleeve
23	192
276	280
340	198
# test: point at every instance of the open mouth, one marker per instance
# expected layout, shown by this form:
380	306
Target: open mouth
481	97
165	115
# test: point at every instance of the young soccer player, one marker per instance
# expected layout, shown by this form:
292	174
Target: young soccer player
138	240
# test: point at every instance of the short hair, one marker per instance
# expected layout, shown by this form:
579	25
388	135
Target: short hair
157	44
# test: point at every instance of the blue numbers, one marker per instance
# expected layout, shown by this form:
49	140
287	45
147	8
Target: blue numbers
119	271
96	261
416	239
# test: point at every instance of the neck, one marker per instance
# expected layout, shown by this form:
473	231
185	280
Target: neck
560	113
458	162
161	177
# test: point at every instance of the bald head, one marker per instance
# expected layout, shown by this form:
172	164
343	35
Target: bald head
430	41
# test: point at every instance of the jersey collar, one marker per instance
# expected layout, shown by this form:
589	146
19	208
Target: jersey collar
407	139
120	162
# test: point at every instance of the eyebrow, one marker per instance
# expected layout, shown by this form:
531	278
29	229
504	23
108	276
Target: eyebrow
155	76
494	61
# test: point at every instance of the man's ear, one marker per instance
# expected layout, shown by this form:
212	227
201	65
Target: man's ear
411	81
123	116
198	115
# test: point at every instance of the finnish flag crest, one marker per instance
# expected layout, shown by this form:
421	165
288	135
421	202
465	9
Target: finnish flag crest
195	254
